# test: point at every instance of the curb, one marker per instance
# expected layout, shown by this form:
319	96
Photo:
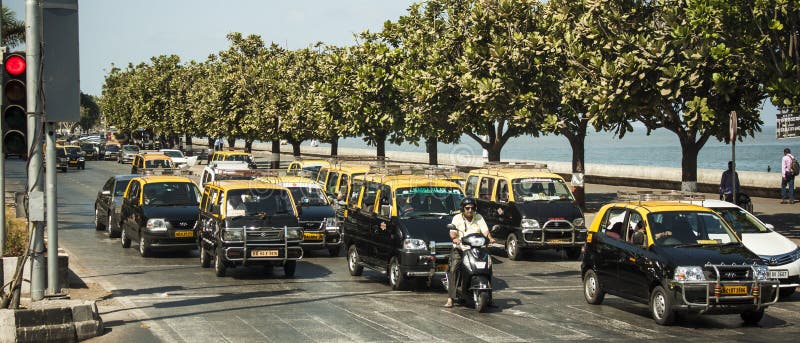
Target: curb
51	321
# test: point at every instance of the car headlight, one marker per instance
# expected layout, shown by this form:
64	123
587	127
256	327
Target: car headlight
762	272
414	244
578	222
232	234
529	224
156	224
294	233
81	158
331	224
689	273
475	241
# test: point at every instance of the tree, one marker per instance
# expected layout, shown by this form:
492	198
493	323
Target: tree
90	111
332	88
779	24
13	29
305	115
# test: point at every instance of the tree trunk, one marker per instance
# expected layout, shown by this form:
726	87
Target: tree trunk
248	145
276	154
494	152
689	166
576	141
187	141
296	149
432	148
334	146
211	142
231	143
381	154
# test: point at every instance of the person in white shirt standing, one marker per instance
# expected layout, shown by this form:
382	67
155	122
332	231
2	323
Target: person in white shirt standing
787	180
469	221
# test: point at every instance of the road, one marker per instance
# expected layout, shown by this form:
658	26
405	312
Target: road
170	298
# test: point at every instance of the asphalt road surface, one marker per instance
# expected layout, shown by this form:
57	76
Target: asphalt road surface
170	298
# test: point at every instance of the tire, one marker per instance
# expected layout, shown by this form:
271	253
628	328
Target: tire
124	239
219	265
512	248
144	247
481	298
661	307
353	264
289	267
97	225
205	261
334	251
592	289
786	293
396	278
110	227
752	317
573	253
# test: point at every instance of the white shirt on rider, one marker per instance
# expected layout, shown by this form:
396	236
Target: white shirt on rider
465	227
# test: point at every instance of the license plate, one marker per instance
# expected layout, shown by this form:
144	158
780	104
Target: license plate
441	267
73	162
313	236
734	290
778	274
264	253
184	233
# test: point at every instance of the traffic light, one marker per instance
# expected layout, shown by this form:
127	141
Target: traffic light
15	119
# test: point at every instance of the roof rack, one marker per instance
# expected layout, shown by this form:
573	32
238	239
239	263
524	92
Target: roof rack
413	169
663	196
165	171
515	165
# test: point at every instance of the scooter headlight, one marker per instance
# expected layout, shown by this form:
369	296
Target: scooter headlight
475	241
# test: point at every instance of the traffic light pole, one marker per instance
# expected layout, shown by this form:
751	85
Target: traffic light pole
35	195
2	152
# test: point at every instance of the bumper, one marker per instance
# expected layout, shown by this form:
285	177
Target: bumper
427	263
553	234
791	269
321	239
708	296
260	254
167	240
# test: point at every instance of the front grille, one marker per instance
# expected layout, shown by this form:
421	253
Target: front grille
779	260
731	273
557	224
311	226
264	234
182	224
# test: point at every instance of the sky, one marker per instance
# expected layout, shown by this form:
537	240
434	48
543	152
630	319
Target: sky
117	32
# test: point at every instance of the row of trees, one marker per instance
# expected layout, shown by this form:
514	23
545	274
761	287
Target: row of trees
489	69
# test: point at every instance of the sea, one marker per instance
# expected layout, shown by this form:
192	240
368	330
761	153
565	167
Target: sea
661	148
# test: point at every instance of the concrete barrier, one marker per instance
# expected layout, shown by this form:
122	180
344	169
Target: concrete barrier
9	267
51	321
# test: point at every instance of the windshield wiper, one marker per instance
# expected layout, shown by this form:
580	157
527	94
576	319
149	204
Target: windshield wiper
686	245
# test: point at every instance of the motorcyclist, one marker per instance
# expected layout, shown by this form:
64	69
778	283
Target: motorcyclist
467	222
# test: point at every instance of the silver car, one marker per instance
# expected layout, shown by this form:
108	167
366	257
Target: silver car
126	153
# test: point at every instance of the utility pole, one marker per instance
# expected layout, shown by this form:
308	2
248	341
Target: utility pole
35	194
2	150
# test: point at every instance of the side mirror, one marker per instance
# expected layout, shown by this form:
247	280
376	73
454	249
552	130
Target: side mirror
770	226
638	238
106	193
386	210
495	228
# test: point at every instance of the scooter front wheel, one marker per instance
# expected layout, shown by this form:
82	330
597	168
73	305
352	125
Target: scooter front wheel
481	298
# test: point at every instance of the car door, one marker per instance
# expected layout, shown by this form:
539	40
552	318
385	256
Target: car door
610	248
503	213
129	204
381	228
636	261
484	199
366	219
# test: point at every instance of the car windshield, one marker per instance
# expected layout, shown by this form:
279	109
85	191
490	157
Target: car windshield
87	147
60	152
741	220
73	150
158	164
689	228
112	148
130	148
173	153
308	196
416	201
256	201
171	194
119	187
540	189
244	158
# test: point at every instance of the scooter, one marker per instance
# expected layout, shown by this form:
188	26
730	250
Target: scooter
474	278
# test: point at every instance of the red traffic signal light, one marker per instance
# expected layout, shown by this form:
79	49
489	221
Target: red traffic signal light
15	65
15	123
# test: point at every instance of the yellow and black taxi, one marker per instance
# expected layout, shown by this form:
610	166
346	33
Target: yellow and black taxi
397	223
317	217
311	165
159	212
527	207
675	257
72	155
91	151
337	181
150	162
248	223
240	156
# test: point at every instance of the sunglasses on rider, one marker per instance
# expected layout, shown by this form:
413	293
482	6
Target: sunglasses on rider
469	208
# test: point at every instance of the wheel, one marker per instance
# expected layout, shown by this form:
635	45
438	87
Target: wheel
786	292
573	253
124	240
592	289
97	225
512	247
110	227
334	251
83	167
481	298
661	307
205	261
353	264
219	265
752	317
397	280
144	246
289	267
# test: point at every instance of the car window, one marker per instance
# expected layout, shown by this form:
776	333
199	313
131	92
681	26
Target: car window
343	185
502	190
333	177
420	201
472	185
173	153
741	220
688	228
613	224
308	196
120	186
487	184
158	164
258	201
540	189
370	194
109	184
355	192
170	194
133	193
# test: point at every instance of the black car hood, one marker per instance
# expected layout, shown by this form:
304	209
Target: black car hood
427	229
316	213
706	254
543	211
172	212
265	221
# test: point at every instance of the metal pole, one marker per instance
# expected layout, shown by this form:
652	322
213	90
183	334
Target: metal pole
2	150
733	169
53	284
32	42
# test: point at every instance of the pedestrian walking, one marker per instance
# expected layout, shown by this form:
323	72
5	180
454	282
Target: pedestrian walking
218	144
726	183
787	177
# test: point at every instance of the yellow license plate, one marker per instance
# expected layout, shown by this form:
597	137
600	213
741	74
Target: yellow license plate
313	236
184	233
264	253
73	162
441	267
734	290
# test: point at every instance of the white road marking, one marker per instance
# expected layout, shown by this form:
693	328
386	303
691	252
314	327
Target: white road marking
195	329
396	335
253	327
578	334
619	326
478	329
